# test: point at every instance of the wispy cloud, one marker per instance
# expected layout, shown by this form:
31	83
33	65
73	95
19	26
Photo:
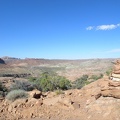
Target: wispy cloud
89	28
104	27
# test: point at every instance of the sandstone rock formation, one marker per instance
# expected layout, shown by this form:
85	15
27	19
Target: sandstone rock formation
113	87
116	71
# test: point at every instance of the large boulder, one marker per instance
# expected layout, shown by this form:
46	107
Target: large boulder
111	93
114	84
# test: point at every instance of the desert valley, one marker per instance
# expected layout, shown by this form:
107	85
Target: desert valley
41	89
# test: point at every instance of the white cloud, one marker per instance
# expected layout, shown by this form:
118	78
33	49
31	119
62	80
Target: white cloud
104	27
89	28
118	25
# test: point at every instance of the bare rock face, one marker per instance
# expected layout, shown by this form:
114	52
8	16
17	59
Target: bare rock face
2	61
115	75
111	93
114	84
52	101
113	89
105	108
34	102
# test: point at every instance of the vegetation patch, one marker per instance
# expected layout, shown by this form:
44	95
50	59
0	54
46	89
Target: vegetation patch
80	82
96	77
50	82
16	94
3	90
23	85
2	87
85	80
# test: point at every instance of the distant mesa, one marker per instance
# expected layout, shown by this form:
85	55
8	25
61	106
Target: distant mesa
2	61
9	58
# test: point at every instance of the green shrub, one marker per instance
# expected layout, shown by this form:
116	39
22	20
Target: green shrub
85	80
2	87
63	83
23	85
51	81
16	94
96	77
3	90
45	84
32	79
80	82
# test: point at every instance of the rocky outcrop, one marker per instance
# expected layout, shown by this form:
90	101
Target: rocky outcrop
96	101
2	61
113	87
44	107
115	75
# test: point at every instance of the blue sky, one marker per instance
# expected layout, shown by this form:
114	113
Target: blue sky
60	29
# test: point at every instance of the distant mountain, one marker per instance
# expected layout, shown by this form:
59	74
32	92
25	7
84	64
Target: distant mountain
9	58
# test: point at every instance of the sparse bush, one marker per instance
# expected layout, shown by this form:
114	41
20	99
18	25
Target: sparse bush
96	77
3	90
51	81
23	85
80	82
32	79
16	94
63	83
45	84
